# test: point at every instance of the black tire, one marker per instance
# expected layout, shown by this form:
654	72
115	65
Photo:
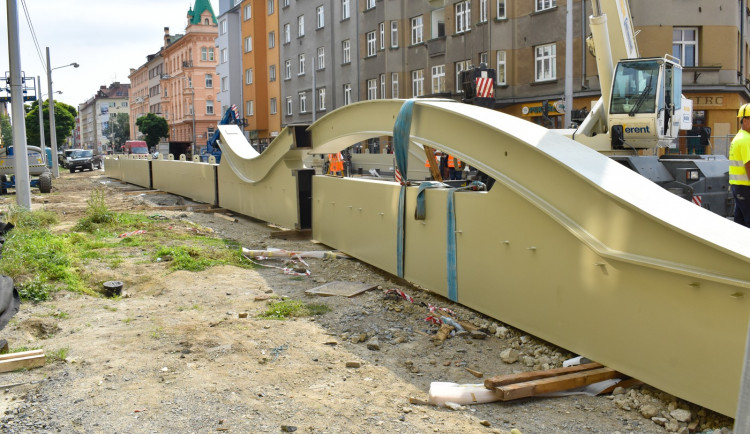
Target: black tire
3	180
45	183
91	166
72	170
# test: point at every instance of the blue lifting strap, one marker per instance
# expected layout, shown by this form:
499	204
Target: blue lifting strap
451	238
419	212
401	134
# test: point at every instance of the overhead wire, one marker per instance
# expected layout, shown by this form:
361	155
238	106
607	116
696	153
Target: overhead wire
33	34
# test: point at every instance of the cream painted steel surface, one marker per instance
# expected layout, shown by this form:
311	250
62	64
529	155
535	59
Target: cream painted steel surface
136	171
568	244
193	180
112	167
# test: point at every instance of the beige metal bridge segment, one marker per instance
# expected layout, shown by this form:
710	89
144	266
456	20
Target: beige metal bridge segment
568	245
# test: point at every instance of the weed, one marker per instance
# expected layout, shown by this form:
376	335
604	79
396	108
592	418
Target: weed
58	355
293	308
60	315
110	308
128	320
23	349
35	290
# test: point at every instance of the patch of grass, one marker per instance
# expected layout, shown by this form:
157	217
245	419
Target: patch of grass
128	320
110	308
60	315
58	355
199	258
25	219
22	349
293	308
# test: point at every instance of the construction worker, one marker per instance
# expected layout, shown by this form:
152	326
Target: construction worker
739	168
336	165
454	167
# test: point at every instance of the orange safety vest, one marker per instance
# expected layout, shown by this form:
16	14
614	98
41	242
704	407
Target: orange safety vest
336	162
451	162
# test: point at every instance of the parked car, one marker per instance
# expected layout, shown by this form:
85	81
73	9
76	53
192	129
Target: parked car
81	159
65	155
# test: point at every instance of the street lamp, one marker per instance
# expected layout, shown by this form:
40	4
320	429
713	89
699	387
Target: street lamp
43	145
52	132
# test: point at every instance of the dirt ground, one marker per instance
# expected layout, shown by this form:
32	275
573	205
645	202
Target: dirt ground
177	354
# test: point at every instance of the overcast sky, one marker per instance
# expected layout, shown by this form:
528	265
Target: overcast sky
105	37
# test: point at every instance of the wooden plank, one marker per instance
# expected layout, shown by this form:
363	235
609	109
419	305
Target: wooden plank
304	234
210	210
555	384
33	361
182	207
434	166
501	380
225	217
20	354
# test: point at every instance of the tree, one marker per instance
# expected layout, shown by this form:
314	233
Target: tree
154	127
6	130
118	130
65	121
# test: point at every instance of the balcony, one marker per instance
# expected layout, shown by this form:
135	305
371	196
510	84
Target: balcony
436	47
187	64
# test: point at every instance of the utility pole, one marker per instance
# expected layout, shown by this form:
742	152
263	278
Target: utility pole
21	157
52	131
42	144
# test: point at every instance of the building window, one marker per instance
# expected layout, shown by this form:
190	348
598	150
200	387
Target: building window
289	106
370	44
437	23
321	58
394	84
345	14
224	84
501	68
273	109
460	66
302	102
209	80
545	59
381	28
272	73
248	44
284	3
372	89
210	54
501	9
301	65
271	39
250	108
484	58
438	79
394	34
463	16
322	99
369	4
287	69
347	94
223	27
249	76
270	7
685	45
287	33
209	107
542	5
417	83
224	56
248	12
382	85
483	11
300	26
346	48
320	13
416	30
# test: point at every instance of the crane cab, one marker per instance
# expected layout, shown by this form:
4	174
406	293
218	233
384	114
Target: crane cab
646	103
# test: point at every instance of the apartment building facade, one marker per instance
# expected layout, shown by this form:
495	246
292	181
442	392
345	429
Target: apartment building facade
189	99
229	72
95	114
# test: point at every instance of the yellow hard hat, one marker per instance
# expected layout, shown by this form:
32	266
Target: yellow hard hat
744	111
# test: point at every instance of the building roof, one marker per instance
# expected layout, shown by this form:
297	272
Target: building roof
194	14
